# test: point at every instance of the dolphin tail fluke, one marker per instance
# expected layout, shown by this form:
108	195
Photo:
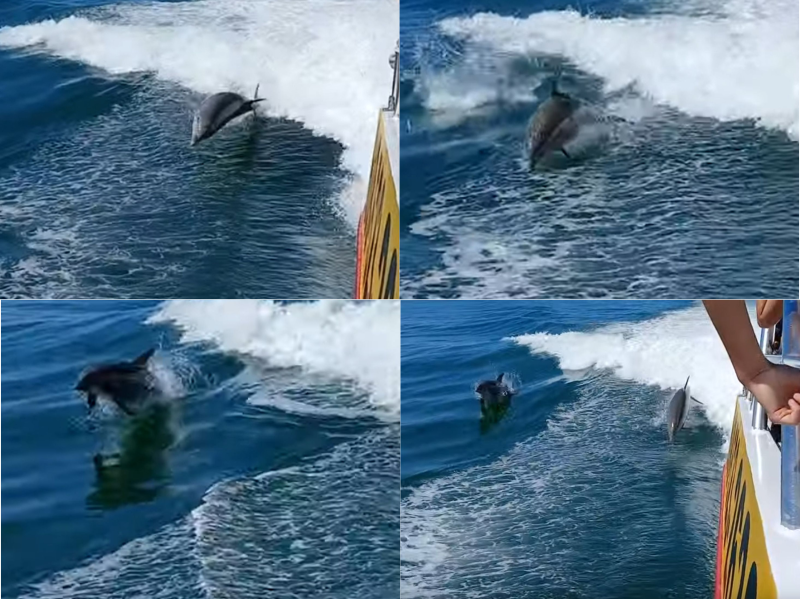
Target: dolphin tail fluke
255	95
142	360
252	103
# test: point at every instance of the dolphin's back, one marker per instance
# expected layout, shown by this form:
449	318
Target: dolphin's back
124	380
216	111
550	116
676	413
219	106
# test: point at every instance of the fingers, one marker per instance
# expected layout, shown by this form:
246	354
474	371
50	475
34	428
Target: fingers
789	414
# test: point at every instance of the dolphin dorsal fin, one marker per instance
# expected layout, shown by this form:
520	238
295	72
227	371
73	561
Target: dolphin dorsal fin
142	360
687	383
500	377
255	94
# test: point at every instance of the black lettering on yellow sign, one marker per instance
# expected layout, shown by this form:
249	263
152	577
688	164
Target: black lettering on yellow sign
391	279
378	276
746	571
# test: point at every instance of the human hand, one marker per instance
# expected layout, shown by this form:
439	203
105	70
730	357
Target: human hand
777	389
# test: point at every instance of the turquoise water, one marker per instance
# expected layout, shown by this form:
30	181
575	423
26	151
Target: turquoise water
267	466
576	491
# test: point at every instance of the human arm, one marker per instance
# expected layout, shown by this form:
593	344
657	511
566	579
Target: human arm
776	387
768	312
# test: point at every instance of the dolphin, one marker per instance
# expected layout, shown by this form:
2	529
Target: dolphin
678	409
125	383
553	125
493	392
217	111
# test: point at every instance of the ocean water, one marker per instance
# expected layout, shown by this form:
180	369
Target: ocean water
575	492
269	467
684	185
101	195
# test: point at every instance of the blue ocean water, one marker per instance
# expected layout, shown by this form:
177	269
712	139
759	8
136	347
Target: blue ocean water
684	184
269	465
575	492
101	195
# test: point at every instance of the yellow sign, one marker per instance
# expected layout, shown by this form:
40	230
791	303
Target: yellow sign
378	261
745	571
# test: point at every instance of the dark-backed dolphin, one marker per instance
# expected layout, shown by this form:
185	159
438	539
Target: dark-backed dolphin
217	111
127	384
553	125
493	392
678	409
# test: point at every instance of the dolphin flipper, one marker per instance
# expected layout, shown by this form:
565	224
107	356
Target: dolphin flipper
563	151
142	360
697	400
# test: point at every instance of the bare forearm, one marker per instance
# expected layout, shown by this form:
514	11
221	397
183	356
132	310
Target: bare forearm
732	322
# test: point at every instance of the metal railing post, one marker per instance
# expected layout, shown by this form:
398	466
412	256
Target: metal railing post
790	477
394	99
790	440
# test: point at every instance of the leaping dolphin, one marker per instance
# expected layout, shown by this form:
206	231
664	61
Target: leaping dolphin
493	392
218	110
127	384
553	125
678	409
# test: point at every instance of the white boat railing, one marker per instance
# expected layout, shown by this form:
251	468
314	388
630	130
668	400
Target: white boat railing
790	440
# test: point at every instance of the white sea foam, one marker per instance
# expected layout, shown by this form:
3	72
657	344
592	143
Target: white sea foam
357	342
661	352
734	61
321	62
247	540
166	556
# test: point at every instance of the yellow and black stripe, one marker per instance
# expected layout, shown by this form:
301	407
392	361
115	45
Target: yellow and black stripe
378	259
744	570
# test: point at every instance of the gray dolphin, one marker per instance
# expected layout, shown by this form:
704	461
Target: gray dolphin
678	409
127	384
217	111
553	125
493	392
